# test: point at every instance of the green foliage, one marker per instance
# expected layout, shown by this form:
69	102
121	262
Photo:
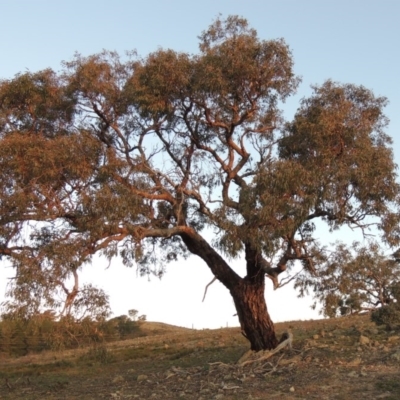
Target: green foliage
350	280
98	354
136	157
388	315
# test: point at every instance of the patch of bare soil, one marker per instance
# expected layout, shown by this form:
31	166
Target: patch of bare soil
346	358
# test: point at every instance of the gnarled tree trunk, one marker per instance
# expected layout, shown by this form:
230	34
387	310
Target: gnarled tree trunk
254	319
247	293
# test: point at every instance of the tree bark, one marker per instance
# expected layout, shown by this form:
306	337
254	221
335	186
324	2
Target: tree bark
253	315
247	293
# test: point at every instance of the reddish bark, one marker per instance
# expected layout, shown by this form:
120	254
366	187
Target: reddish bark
247	293
253	315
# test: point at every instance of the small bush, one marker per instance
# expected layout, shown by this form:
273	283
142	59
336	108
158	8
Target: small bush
387	315
98	354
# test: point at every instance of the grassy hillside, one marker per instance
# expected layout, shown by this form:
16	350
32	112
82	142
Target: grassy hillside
346	358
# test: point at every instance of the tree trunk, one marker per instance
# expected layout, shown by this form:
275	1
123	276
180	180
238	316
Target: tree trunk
247	293
254	319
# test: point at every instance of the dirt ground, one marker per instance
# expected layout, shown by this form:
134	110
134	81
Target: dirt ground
345	358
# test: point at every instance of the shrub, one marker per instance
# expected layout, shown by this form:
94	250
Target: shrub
387	315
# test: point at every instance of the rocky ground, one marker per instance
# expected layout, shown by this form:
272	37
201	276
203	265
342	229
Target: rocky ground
346	358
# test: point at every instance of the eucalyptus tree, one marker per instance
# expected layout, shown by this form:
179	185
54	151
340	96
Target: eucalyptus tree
353	279
152	159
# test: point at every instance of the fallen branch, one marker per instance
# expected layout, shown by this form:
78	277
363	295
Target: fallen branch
219	364
264	355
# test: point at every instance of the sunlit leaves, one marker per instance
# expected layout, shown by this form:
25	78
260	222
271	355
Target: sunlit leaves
36	103
128	156
352	279
337	136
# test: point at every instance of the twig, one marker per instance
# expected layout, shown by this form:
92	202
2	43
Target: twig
219	363
205	291
274	367
8	384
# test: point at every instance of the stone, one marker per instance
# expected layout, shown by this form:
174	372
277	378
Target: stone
364	340
355	362
141	378
118	379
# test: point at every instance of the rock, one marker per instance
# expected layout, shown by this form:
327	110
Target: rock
118	379
315	337
141	378
393	338
364	340
291	389
352	374
355	362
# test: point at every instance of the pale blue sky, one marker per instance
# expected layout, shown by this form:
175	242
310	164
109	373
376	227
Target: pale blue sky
353	41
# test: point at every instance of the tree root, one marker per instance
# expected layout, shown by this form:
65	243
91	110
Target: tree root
252	357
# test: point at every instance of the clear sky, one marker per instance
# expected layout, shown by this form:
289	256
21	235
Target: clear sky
352	41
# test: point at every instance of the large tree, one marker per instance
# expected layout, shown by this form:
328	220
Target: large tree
147	159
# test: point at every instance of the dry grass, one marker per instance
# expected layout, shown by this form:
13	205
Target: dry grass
327	362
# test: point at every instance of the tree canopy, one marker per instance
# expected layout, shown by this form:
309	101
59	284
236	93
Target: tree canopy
145	158
353	279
